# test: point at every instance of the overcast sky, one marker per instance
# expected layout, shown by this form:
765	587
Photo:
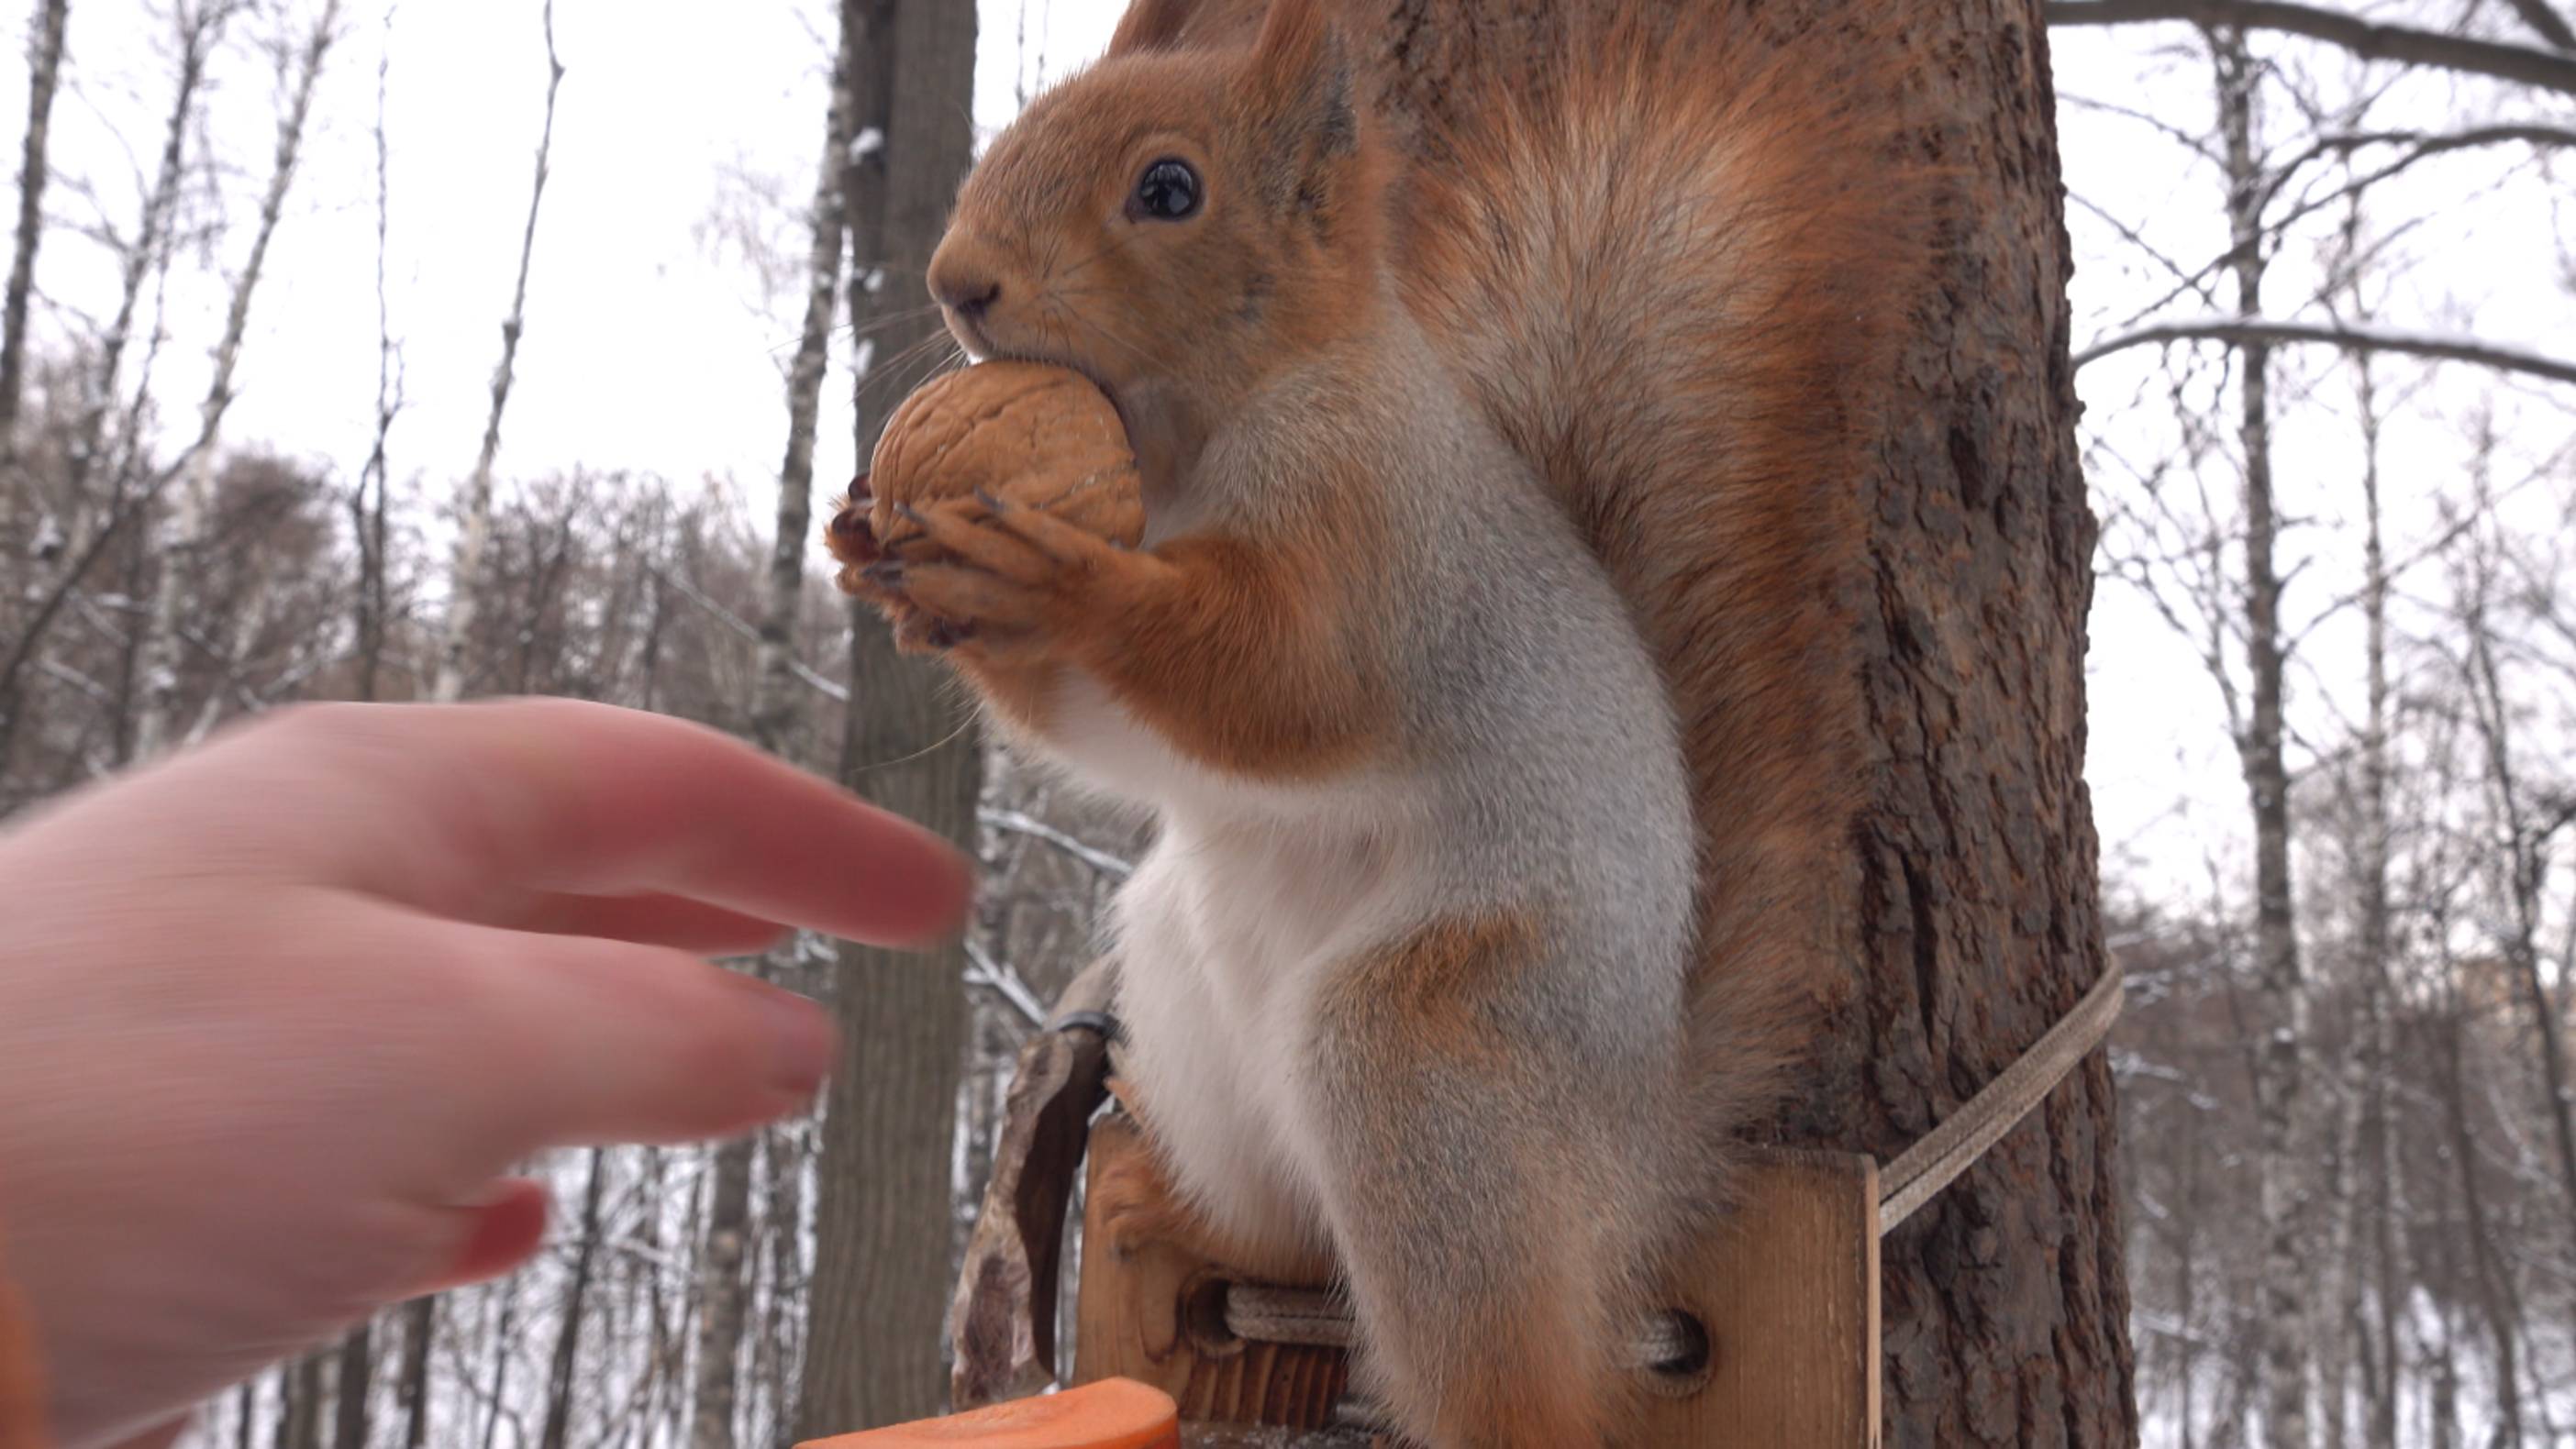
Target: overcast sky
653	348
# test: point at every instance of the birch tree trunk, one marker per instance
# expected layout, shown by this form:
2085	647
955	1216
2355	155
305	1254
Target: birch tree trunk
883	1213
367	506
2377	1053
723	1297
2280	1071
44	75
724	1282
475	528
181	537
2521	848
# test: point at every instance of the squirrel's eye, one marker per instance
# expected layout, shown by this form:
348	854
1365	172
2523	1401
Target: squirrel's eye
1168	191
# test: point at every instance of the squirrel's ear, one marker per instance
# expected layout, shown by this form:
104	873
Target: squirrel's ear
1151	25
1301	72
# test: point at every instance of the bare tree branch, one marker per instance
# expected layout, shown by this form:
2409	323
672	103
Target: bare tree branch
1021	823
2521	63
740	625
2265	332
2551	25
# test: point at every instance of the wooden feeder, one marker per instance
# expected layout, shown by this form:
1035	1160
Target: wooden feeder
1785	1290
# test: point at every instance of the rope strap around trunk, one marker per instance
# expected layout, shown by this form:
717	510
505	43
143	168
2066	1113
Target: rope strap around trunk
1300	1316
1953	1147
1261	1314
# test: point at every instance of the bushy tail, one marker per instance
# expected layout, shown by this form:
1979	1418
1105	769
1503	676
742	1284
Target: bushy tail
1674	270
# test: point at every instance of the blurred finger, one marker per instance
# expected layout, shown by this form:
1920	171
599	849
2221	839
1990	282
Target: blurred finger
494	1237
652	920
561	796
576	1041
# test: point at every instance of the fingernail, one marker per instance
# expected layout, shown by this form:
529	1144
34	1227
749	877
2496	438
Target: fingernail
803	1044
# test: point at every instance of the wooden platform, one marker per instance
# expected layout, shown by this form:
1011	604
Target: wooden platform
1786	1290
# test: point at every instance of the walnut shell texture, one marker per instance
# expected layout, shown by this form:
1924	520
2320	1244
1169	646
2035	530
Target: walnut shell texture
1028	433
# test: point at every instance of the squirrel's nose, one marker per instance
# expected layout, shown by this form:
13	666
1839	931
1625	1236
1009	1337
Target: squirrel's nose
968	292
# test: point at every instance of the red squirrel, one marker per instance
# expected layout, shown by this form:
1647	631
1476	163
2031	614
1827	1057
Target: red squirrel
1480	662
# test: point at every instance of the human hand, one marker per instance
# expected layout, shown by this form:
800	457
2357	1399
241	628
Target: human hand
276	1015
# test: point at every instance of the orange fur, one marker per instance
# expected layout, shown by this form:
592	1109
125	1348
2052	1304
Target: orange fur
1422	1032
1669	274
1664	266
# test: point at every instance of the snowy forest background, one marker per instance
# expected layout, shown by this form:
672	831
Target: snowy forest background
454	349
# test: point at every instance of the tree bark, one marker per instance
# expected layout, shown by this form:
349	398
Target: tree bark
883	1211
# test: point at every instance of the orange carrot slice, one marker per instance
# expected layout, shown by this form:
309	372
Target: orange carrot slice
1110	1414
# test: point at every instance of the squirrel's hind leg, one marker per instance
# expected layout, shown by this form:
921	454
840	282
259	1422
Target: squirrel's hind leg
1487	1227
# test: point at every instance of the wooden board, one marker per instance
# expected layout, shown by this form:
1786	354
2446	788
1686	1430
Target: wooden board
1147	1309
1786	1287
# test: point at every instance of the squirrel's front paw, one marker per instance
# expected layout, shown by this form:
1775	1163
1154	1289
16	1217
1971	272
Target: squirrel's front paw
1008	580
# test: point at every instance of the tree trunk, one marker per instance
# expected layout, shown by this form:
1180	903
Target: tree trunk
2494	1279
350	1388
44	75
560	1384
2377	1055
367	509
2007	1303
473	535
2280	1071
723	1296
300	1427
776	690
2521	851
181	540
420	1322
880	1282
725	1279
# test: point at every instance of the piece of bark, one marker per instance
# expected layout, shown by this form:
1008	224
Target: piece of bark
1002	1321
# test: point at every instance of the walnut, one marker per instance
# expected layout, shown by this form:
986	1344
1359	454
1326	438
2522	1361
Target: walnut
1027	433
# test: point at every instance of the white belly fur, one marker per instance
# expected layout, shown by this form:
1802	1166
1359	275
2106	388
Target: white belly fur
1251	892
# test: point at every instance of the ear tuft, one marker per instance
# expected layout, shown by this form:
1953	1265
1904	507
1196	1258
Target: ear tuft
1151	25
1301	74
